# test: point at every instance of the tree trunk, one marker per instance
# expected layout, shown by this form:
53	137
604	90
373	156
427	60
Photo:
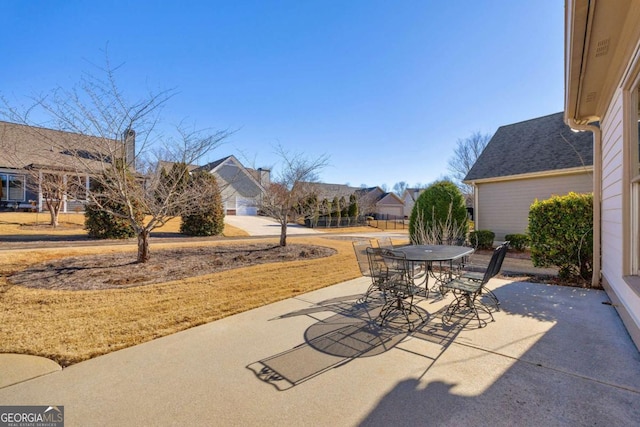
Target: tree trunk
54	218
283	233
54	209
143	246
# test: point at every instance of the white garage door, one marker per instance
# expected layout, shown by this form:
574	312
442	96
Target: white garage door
245	207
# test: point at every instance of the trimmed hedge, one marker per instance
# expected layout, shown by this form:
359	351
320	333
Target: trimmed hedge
561	232
439	215
482	239
519	242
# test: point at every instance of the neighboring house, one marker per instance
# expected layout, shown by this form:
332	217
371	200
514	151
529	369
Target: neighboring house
28	154
241	188
409	198
387	205
329	191
372	201
525	161
602	84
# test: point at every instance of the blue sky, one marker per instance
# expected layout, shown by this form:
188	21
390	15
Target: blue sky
385	88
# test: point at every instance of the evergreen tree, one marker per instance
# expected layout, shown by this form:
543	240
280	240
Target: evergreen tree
439	215
208	219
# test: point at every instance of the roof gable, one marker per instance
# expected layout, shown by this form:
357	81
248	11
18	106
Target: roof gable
536	145
411	194
235	175
389	199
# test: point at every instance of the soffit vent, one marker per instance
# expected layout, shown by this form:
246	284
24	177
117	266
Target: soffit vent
602	48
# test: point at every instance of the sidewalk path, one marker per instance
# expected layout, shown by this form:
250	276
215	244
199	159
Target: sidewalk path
263	226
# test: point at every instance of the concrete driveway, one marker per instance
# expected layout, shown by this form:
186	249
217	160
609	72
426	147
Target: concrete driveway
263	226
553	356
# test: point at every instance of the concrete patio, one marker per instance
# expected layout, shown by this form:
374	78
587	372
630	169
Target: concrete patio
553	356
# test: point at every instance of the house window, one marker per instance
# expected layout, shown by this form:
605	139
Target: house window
13	187
3	187
634	144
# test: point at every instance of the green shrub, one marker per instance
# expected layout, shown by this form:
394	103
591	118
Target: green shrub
439	215
561	233
100	223
482	239
519	242
353	206
207	219
173	181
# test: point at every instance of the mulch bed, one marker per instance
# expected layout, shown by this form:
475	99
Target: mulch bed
119	270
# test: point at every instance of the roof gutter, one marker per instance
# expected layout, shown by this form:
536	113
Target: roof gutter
597	194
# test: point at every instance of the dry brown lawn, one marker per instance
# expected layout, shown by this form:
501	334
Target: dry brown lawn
69	326
397	226
340	230
37	223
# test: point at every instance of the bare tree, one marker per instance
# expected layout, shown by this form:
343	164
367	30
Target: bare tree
399	188
290	188
124	152
465	155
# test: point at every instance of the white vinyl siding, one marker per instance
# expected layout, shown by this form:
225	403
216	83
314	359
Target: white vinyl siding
612	182
503	207
616	216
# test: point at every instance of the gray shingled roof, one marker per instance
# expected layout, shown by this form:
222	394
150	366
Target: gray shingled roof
329	191
535	145
212	165
22	146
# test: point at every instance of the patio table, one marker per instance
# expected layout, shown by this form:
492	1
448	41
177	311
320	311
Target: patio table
444	255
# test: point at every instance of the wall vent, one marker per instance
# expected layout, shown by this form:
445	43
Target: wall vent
602	48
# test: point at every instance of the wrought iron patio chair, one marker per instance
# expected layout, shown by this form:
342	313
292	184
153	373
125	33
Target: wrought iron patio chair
365	255
417	271
385	243
478	276
467	293
400	288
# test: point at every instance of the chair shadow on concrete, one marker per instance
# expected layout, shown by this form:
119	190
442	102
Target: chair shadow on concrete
351	332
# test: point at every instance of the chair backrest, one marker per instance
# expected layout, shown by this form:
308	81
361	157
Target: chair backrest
360	248
385	243
398	271
504	247
494	264
395	260
377	265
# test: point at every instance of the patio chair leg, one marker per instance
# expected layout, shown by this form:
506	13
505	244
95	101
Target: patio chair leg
493	297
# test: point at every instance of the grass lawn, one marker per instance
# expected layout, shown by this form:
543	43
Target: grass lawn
34	223
71	326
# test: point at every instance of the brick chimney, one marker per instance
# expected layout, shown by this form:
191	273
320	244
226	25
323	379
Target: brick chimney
264	176
129	139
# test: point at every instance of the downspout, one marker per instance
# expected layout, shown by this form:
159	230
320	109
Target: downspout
597	196
476	211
